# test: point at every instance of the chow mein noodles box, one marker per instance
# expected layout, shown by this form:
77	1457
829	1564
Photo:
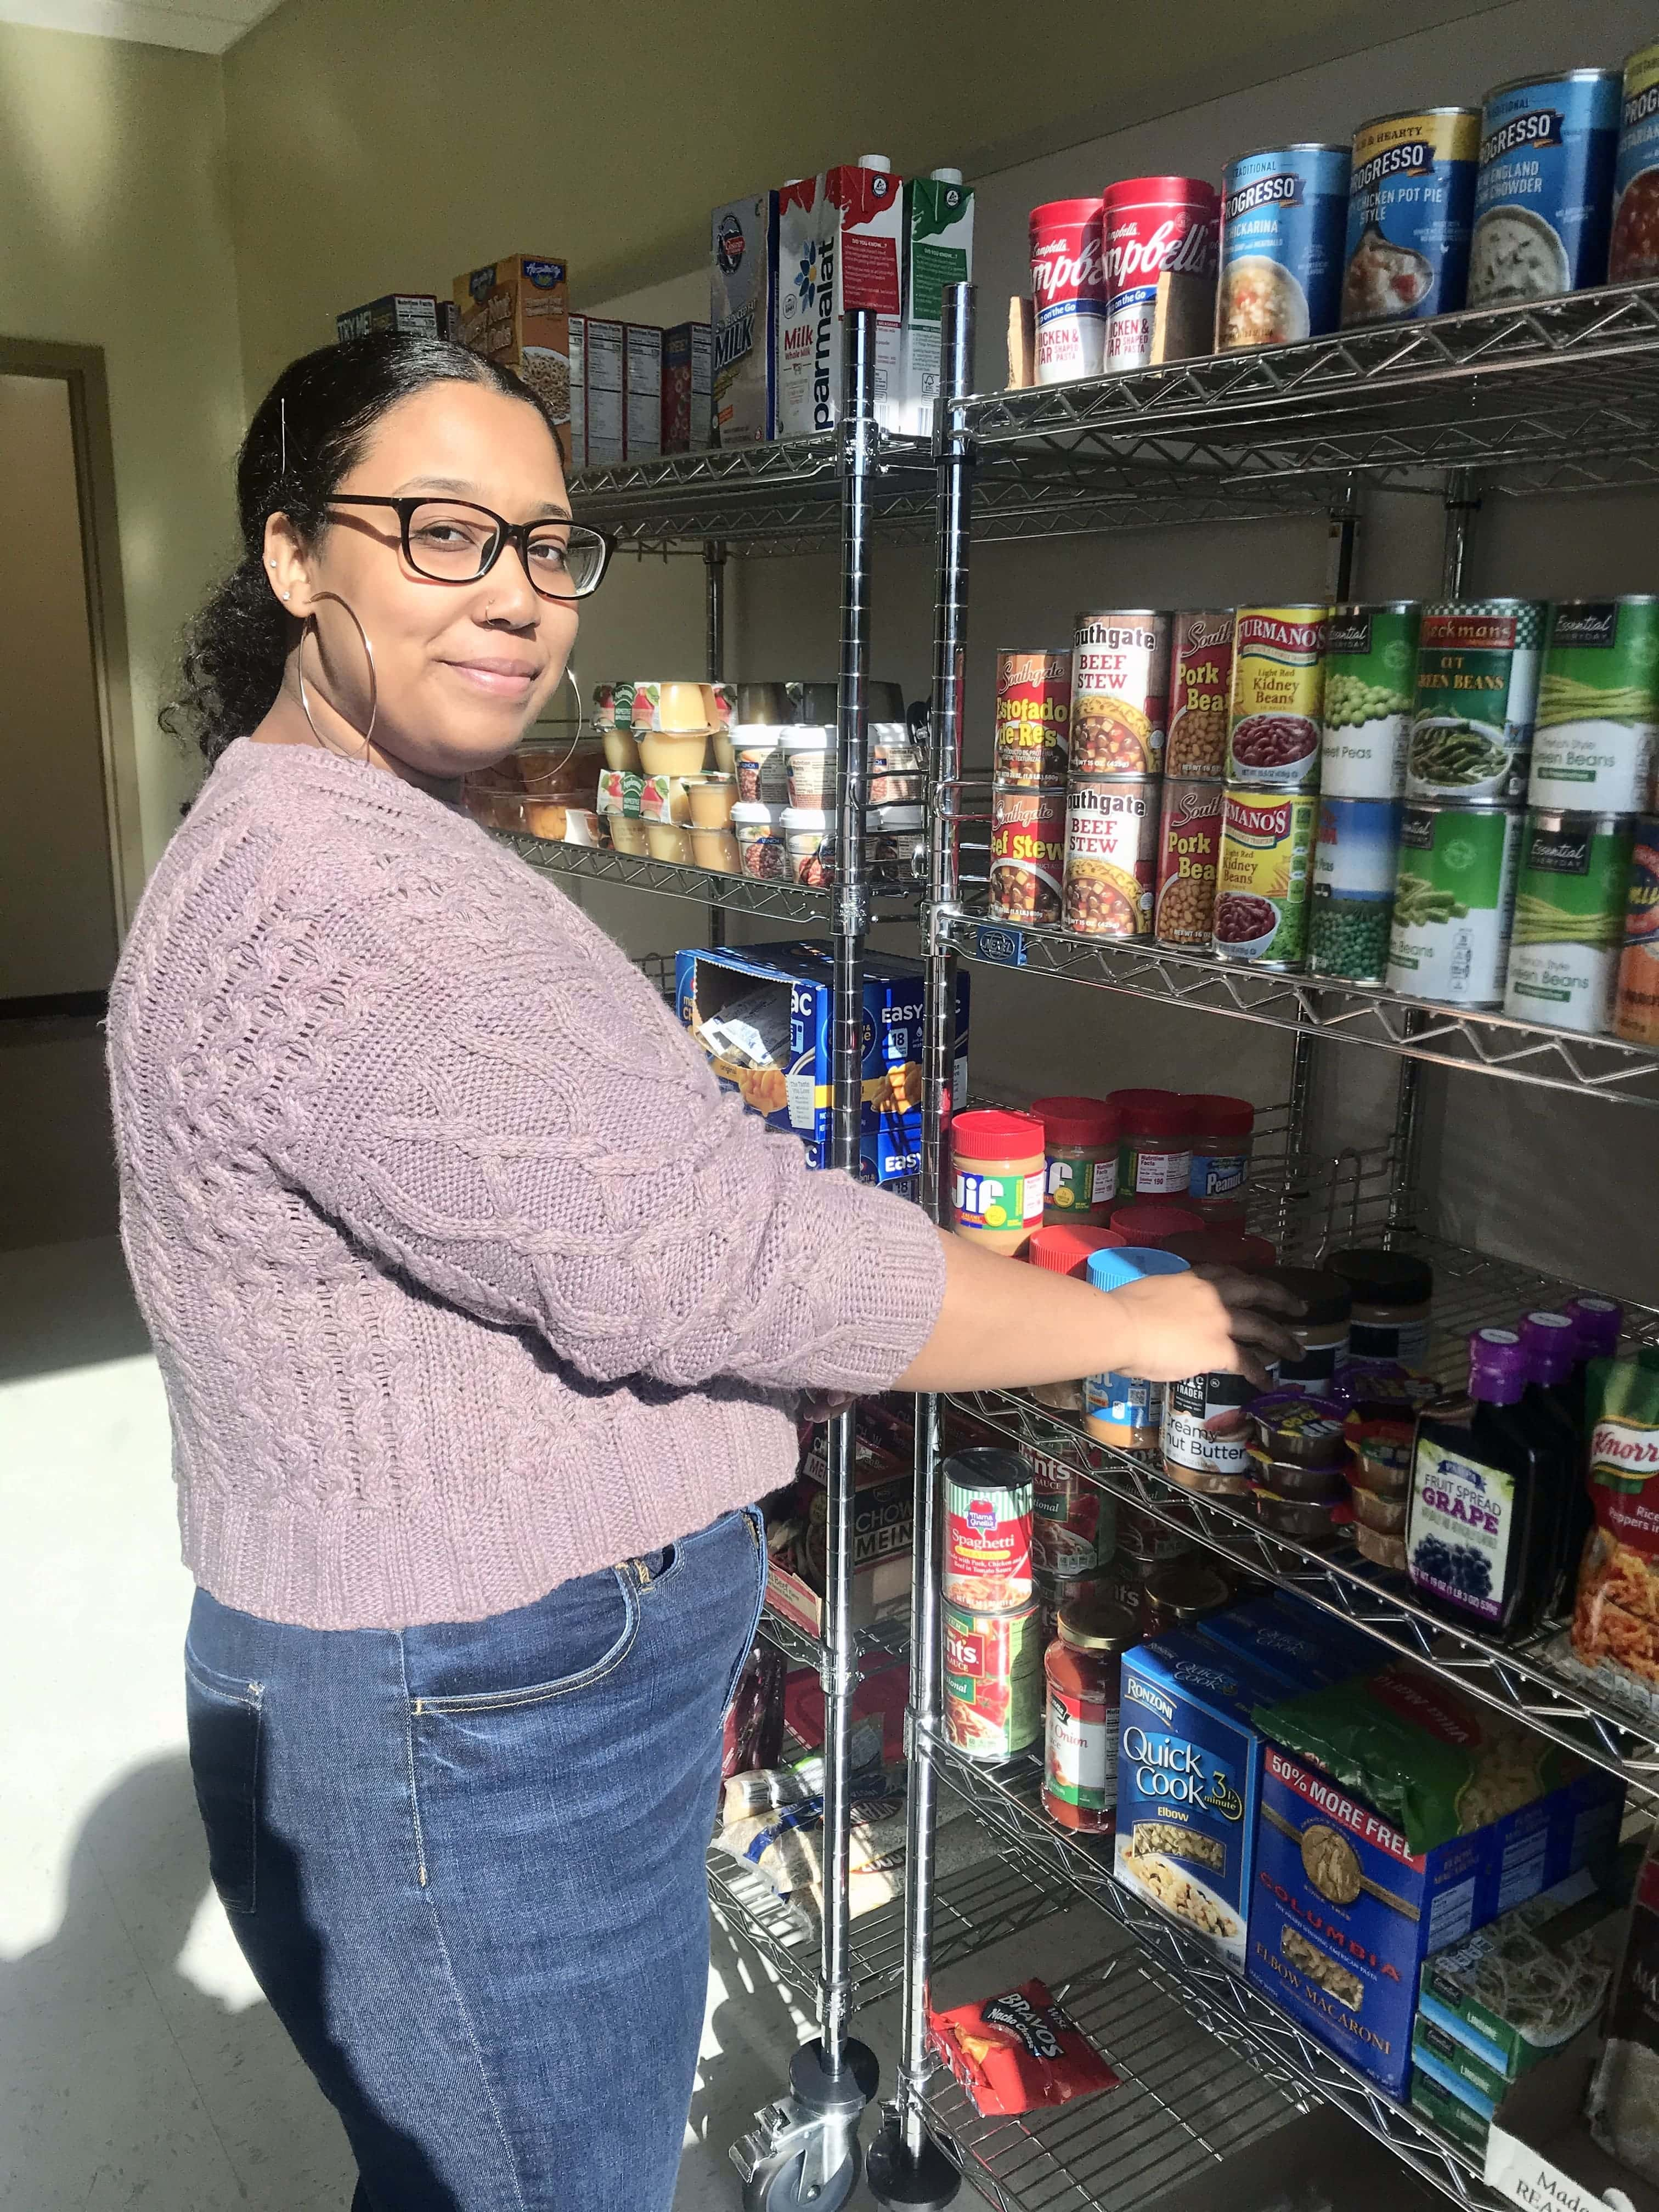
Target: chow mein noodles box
517	312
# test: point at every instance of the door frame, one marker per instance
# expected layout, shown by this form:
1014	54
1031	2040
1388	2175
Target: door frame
81	367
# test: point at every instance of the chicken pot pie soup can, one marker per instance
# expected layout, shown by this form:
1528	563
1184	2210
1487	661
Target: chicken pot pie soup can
1411	199
1111	857
988	1499
992	1681
1543	196
1633	252
1120	693
1284	220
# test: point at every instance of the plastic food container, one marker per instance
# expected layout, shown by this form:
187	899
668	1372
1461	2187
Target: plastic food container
1063	1248
764	703
667	841
1298	1427
620	751
1155	1147
758	763
1393	1317
1177	1593
1287	1478
716	849
673	752
810	835
1322	1331
898	766
627	834
895	842
1222	1130
711	798
1150	1222
1125	1410
997	1163
1080	1140
1374	1510
1318	1522
808	759
762	851
1382	1551
721	743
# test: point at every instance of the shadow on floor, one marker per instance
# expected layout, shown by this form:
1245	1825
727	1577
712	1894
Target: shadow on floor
64	1306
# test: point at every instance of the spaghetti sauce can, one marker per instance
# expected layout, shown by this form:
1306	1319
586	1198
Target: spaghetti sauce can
1189	856
1636	1007
1033	721
1111	857
1120	693
992	1681
1200	684
1277	696
988	1530
1028	855
1262	889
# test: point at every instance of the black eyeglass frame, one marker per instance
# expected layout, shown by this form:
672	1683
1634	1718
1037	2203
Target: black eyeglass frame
516	534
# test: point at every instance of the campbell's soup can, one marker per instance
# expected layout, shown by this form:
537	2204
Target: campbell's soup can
1150	224
1633	251
1262	887
1635	1007
1111	857
1188	857
1543	197
1028	855
1284	221
1277	696
1120	693
1411	200
1033	721
1072	1522
1068	290
988	1530
992	1681
1200	684
1475	701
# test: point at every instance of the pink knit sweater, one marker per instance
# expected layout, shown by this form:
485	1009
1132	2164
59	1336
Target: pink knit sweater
464	1275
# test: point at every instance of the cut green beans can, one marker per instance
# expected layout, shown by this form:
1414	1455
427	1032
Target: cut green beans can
1569	920
1598	707
1474	702
1370	668
1354	865
1453	902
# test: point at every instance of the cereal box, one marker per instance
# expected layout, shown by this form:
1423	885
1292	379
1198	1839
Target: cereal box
642	387
742	318
410	314
517	312
603	392
579	391
687	389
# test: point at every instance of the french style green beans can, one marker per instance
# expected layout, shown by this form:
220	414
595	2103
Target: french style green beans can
1355	862
1569	919
1454	902
1598	707
1474	702
1370	668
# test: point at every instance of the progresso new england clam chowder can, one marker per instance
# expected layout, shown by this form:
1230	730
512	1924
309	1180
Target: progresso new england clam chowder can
1284	217
1543	199
1411	200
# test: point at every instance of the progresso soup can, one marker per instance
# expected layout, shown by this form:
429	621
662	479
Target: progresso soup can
1569	920
1598	707
1371	668
1543	197
1283	218
1411	200
1261	890
1474	702
1355	862
1277	691
1454	903
1633	249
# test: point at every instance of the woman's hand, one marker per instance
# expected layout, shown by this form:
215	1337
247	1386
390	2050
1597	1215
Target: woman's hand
1217	1321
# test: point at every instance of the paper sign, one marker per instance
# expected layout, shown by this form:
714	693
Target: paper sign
1527	2178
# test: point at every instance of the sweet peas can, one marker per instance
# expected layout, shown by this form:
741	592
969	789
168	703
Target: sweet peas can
1150	224
1370	668
1355	863
1633	251
1069	290
1283	218
1410	196
1543	199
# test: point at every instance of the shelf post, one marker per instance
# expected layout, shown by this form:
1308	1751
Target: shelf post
714	572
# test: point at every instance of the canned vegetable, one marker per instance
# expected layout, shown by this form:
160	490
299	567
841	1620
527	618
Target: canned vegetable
1111	857
1569	920
1541	199
1371	668
1410	196
1474	702
1633	252
1598	707
1355	863
1189	852
1200	682
1284	217
1454	902
1261	890
1277	691
1120	693
1636	1011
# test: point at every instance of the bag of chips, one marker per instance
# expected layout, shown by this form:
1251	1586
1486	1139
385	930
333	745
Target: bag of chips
1016	2053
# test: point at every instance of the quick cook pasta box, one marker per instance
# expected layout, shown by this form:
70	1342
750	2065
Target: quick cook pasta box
764	1016
1188	1772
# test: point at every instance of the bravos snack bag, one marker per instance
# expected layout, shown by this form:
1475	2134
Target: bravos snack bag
1015	2052
1615	1624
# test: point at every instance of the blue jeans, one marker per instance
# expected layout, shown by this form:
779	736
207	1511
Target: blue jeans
466	1864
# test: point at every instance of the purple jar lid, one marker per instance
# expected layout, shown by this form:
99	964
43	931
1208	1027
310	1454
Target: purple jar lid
1596	1323
1550	1341
1499	1369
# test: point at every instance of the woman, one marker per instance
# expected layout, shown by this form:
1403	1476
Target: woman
483	1317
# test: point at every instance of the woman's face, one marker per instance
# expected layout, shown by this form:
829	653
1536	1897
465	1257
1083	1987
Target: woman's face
461	670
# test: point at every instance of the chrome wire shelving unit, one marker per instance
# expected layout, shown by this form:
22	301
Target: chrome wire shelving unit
705	887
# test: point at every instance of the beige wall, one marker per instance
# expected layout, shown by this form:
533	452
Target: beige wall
116	233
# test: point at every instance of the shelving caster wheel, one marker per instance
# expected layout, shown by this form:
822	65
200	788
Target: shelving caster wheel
900	2182
803	2154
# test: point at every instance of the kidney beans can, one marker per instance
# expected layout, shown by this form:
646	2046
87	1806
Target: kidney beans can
1636	1008
1068	290
1200	682
1569	920
1633	251
1355	863
1283	218
1543	196
1150	224
1188	855
1370	670
1474	702
1120	693
1411	197
1028	855
992	1681
1261	889
1206	1434
1276	696
988	1531
1598	707
1033	721
1071	1524
1111	857
1454	902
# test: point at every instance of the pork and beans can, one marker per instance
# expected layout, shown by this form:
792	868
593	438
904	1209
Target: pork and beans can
1371	668
1474	702
1111	856
1355	863
1569	920
1598	707
1028	855
1411	199
1200	684
992	1681
1261	890
1276	696
1120	693
1284	219
1633	249
1636	1007
1543	195
1189	856
1454	902
988	1530
1033	721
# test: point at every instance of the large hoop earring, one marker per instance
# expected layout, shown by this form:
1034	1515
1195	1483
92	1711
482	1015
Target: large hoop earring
310	631
570	679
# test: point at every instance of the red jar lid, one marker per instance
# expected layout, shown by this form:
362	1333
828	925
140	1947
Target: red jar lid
1227	1117
1156	1113
1223	1248
989	1133
1084	1122
1150	1221
1064	1247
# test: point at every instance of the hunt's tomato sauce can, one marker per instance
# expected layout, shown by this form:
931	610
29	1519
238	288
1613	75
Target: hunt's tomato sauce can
992	1681
988	1530
1033	724
1150	224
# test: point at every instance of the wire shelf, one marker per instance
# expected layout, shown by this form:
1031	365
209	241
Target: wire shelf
881	1639
776	497
778	901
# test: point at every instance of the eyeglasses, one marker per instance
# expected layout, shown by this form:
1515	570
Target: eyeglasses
451	541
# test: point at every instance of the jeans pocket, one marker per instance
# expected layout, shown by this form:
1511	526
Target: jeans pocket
569	1640
225	1719
757	1537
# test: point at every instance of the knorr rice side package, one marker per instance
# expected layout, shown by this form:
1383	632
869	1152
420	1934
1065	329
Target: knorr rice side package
1615	1623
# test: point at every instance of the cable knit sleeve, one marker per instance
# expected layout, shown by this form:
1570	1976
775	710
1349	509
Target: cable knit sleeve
478	1086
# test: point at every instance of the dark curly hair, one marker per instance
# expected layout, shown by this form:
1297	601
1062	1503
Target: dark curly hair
310	429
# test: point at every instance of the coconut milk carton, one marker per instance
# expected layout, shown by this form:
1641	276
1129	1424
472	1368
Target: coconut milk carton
938	249
743	289
840	240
